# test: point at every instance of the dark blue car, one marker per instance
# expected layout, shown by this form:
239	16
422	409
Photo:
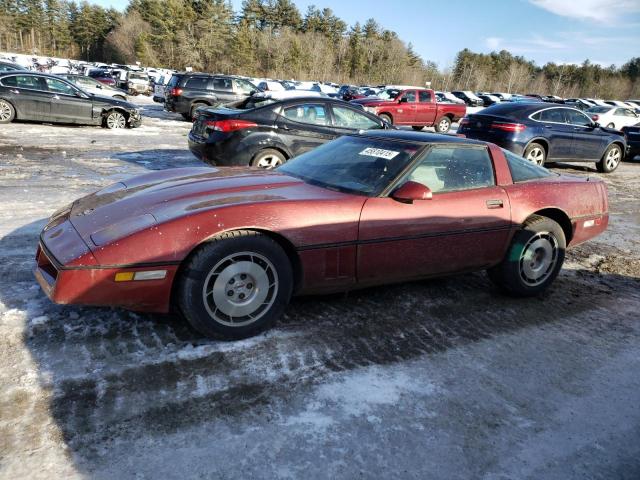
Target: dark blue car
632	134
543	133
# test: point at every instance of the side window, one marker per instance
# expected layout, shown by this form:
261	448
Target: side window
348	118
554	115
7	68
424	97
244	87
410	96
30	82
224	84
447	169
199	83
307	113
57	86
10	81
522	169
576	118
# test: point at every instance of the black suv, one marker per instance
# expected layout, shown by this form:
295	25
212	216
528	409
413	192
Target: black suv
186	92
49	98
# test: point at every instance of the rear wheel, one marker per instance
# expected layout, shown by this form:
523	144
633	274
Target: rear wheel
443	125
535	153
235	285
610	160
115	119
7	112
533	260
387	118
268	159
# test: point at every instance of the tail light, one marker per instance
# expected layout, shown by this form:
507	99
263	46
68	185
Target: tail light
229	125
176	92
595	117
508	127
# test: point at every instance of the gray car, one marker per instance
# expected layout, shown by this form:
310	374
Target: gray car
50	98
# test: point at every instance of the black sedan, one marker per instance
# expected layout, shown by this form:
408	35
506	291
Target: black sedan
263	132
544	133
632	134
49	98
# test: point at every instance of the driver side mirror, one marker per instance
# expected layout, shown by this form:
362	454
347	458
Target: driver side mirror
411	191
595	125
403	100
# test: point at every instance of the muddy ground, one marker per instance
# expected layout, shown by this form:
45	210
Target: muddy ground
437	379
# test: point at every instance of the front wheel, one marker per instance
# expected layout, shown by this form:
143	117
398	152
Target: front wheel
610	160
115	119
386	118
535	153
534	258
7	112
268	159
235	285
443	125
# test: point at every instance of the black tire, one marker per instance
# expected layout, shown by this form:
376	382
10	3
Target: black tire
535	153
268	158
386	117
115	119
443	125
611	159
234	247
7	112
194	107
514	276
417	128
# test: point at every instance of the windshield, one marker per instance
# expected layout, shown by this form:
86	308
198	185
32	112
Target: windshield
599	109
389	94
358	165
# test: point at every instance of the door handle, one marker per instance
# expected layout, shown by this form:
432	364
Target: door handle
285	127
495	204
55	97
17	92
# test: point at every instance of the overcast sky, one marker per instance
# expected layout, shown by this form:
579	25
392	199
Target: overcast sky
567	31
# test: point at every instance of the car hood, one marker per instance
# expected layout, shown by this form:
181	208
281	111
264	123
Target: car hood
111	102
141	202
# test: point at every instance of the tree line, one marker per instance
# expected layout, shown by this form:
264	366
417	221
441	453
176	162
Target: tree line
272	38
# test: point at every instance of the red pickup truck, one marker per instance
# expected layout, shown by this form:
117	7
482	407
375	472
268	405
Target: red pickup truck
415	107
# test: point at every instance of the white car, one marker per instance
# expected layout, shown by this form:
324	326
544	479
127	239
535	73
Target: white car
613	117
271	86
323	88
90	85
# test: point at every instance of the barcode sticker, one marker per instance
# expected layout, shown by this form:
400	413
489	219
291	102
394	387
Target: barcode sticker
379	152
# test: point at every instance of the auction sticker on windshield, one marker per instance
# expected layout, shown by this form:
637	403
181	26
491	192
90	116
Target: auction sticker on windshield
379	152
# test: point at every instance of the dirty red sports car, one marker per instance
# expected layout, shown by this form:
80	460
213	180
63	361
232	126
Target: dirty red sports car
229	247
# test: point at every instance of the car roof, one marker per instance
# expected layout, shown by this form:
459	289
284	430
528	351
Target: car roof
420	137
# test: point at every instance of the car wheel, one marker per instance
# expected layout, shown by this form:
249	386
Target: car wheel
235	285
417	128
7	112
268	159
535	153
610	160
611	125
386	118
194	107
534	258
443	125
115	119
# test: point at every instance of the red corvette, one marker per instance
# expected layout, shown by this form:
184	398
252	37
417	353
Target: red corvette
229	247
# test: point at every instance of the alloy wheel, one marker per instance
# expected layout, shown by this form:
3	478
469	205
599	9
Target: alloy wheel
116	120
612	159
240	289
269	161
443	126
5	111
536	155
538	259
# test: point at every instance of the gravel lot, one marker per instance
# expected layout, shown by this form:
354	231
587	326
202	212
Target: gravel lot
438	379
